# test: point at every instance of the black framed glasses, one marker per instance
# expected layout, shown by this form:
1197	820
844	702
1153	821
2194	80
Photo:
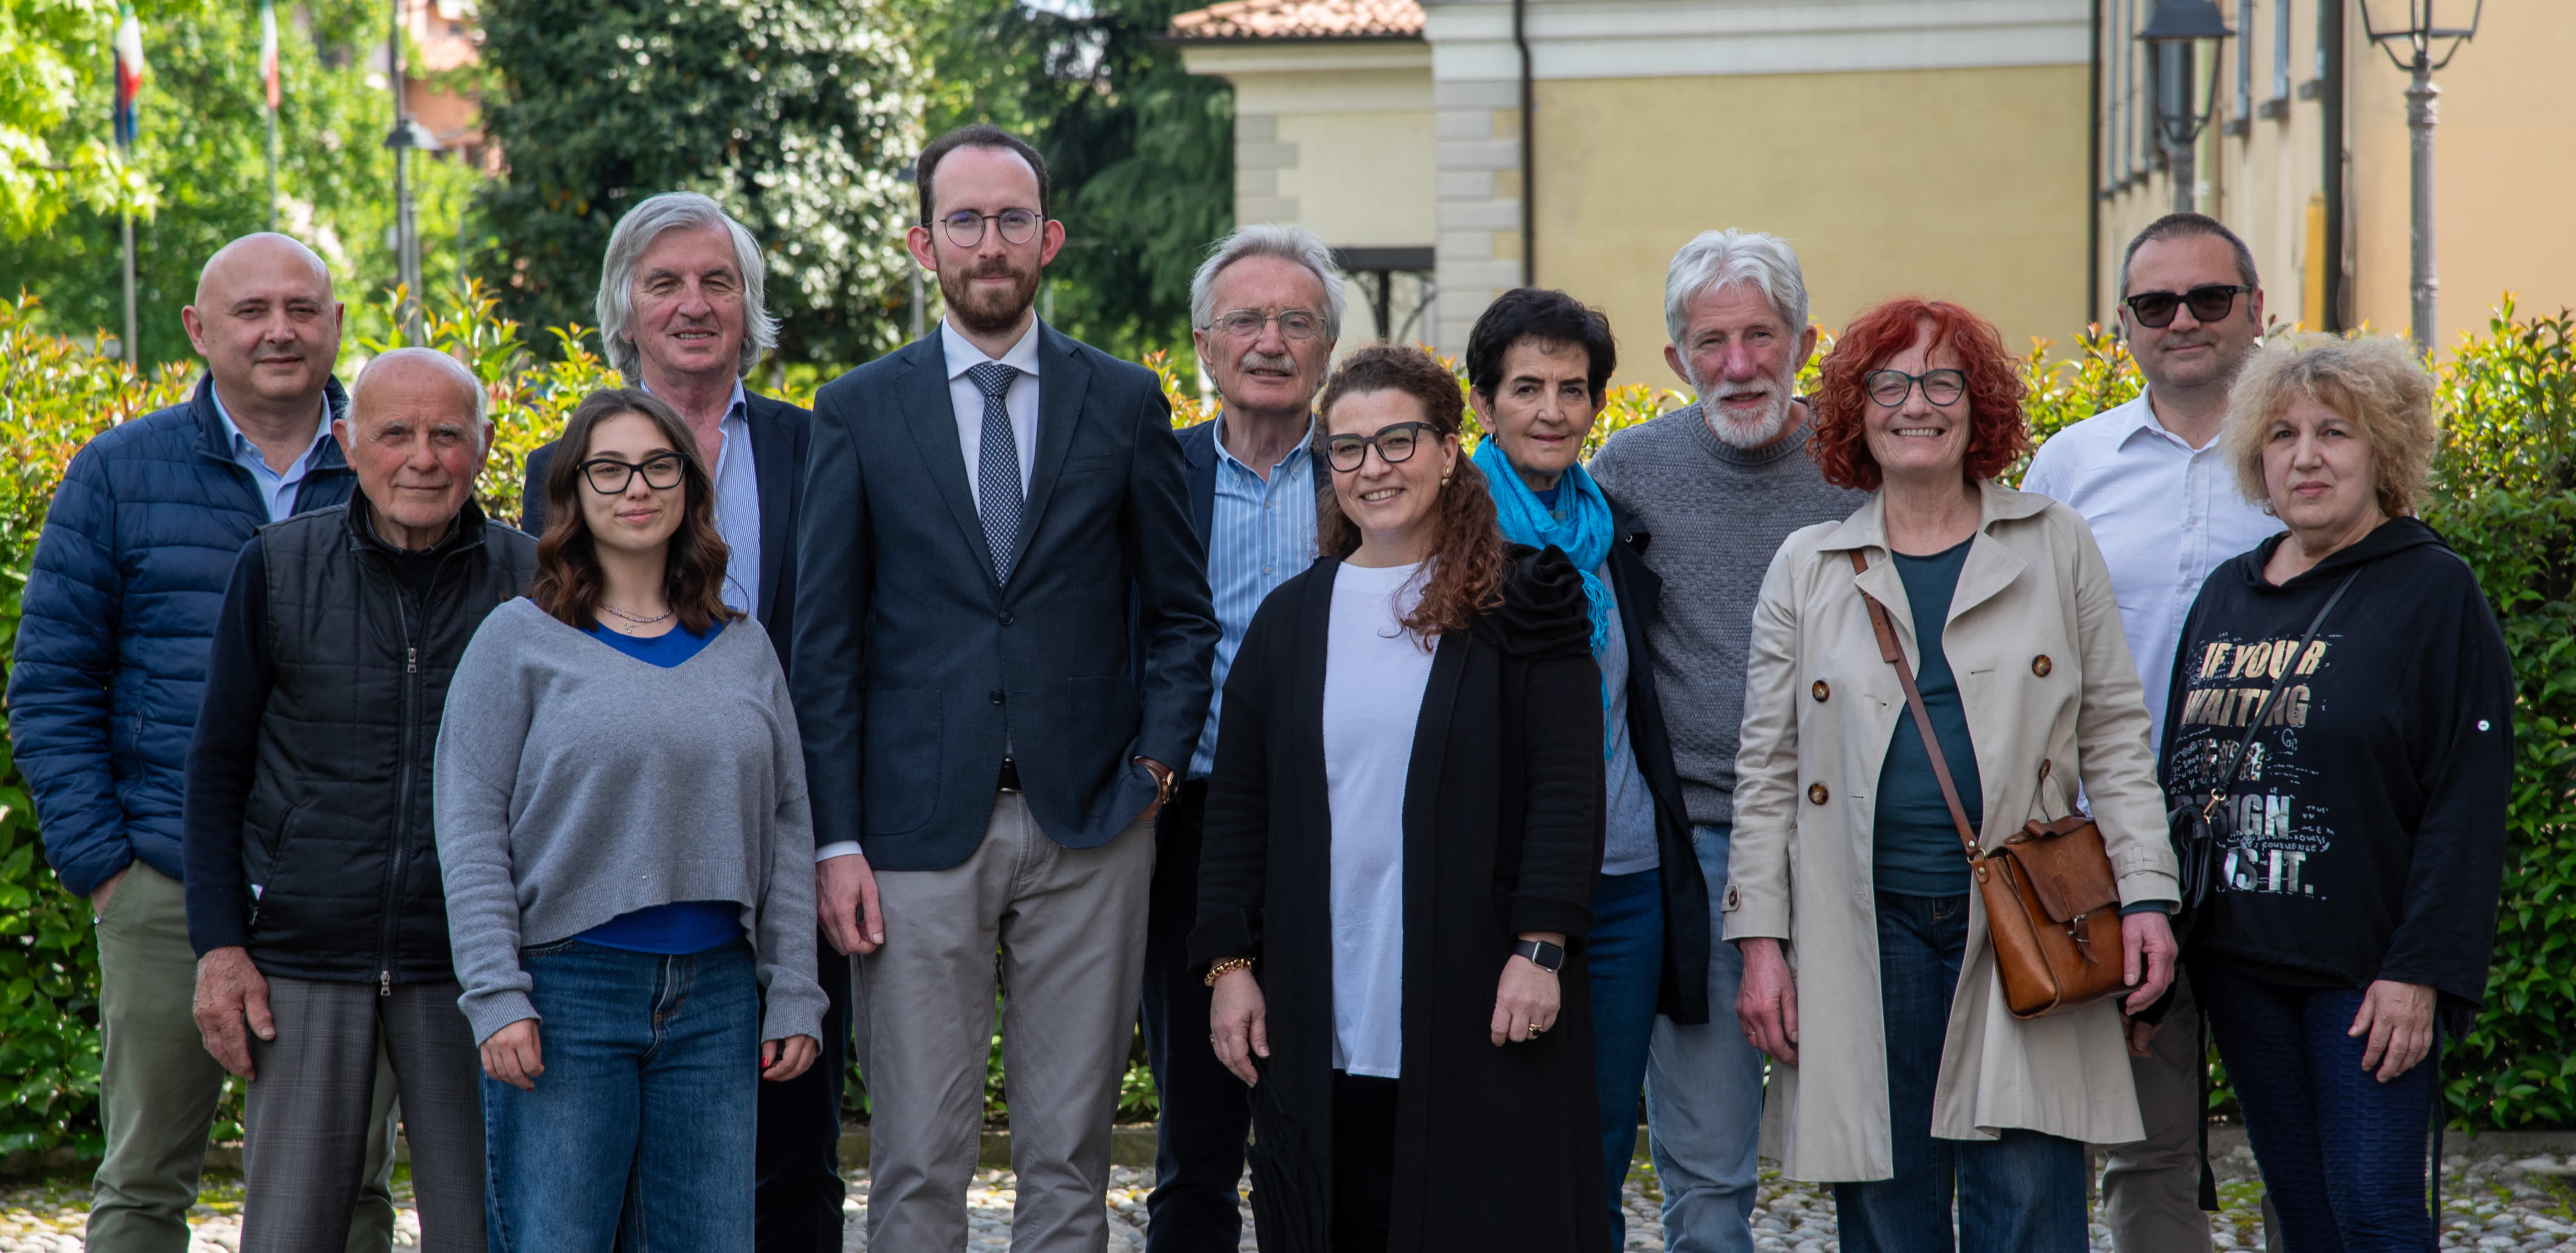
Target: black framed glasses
965	228
1941	387
1395	445
609	476
2209	303
1295	324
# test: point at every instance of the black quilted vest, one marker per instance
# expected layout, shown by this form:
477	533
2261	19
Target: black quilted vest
337	832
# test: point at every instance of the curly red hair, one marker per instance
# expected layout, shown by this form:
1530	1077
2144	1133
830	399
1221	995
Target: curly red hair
1997	435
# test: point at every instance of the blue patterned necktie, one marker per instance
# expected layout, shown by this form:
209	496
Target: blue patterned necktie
997	466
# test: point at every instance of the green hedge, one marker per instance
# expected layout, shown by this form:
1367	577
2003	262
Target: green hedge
2504	494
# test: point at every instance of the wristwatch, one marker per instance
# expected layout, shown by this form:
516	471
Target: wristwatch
1545	956
1165	780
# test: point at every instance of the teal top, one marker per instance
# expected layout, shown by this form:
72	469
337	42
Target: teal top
1914	846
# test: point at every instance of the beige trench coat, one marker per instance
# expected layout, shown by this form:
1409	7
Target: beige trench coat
2044	673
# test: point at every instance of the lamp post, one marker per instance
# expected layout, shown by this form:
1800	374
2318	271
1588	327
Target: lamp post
2173	32
408	136
2423	100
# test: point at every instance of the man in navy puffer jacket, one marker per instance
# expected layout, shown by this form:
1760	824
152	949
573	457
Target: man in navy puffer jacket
111	659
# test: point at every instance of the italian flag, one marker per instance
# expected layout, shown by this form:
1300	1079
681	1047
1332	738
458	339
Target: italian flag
129	73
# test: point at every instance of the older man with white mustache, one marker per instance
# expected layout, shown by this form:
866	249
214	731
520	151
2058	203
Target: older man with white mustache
1717	486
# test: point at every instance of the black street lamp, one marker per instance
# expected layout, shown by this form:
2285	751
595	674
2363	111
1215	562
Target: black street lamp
2172	36
2419	35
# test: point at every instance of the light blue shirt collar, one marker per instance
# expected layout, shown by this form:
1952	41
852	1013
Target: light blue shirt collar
1295	451
276	489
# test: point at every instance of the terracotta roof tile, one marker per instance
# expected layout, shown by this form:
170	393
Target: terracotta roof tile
1302	19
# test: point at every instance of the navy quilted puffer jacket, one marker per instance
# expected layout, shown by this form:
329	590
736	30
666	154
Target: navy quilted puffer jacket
116	624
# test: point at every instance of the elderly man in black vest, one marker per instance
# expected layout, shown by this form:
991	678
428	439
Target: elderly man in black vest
314	897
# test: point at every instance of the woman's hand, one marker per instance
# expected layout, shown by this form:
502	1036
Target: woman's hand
1526	997
2398	1018
2147	951
512	1055
1239	1024
780	1064
1766	1001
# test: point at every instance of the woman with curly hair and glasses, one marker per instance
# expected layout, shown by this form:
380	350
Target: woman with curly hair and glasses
629	863
1402	834
1899	1072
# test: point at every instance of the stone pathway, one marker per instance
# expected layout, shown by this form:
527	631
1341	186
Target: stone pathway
2489	1203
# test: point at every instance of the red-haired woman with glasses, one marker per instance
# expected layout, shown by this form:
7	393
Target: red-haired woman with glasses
1899	1074
1402	833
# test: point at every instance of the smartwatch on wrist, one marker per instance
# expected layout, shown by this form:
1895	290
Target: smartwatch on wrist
1545	956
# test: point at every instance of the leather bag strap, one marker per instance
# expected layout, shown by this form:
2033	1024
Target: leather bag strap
1894	653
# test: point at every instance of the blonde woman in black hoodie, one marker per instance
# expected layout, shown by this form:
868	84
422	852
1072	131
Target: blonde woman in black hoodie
2352	868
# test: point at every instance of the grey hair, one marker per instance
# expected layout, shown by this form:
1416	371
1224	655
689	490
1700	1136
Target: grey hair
1269	239
455	370
1717	259
626	245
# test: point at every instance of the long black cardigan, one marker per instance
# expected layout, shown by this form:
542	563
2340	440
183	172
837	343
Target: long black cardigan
1681	993
1496	1148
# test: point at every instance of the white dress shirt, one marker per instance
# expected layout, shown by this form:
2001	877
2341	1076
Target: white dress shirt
1021	400
2165	514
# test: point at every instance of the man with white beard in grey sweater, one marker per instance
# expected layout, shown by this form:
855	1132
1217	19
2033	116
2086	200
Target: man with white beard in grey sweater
1716	487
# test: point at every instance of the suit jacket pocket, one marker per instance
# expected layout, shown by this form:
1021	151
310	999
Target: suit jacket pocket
900	780
1103	711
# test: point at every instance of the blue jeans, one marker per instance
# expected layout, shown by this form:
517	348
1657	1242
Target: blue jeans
1625	958
642	1126
2022	1193
2342	1153
1704	1096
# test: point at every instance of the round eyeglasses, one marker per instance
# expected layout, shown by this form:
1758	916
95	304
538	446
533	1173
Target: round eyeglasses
609	476
966	228
1941	387
1395	445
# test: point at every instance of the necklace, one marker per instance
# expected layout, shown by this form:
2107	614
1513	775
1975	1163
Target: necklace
641	622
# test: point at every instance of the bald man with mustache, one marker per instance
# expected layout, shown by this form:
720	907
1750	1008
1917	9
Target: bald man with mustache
110	667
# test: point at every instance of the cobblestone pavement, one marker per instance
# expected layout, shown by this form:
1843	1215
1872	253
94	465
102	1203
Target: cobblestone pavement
2489	1204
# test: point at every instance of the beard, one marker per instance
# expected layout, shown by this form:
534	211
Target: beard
988	312
1746	432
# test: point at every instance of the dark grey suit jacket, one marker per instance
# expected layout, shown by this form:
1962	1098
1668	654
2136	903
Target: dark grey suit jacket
914	668
779	433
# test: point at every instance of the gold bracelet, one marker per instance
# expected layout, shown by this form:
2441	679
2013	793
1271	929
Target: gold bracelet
1219	970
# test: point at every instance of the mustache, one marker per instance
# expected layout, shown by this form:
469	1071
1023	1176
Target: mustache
1256	359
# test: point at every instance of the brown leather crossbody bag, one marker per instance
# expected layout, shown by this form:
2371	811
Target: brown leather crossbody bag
2052	903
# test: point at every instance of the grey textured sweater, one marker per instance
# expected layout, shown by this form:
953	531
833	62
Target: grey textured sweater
1713	515
576	783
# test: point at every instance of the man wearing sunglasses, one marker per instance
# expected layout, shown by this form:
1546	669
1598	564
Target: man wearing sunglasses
2151	480
682	315
1002	646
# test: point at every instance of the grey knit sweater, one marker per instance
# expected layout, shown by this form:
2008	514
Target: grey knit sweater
576	783
1713	515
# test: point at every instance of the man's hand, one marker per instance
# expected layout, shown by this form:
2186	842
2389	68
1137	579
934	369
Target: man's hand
230	990
845	892
1766	1002
2398	1018
1239	1024
512	1055
2142	1037
780	1064
2147	952
98	899
1162	782
1526	998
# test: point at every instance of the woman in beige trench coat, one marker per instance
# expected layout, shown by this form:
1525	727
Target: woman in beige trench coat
1865	947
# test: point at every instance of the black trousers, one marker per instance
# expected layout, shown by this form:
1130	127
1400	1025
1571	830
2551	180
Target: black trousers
798	1165
1206	1111
1363	1162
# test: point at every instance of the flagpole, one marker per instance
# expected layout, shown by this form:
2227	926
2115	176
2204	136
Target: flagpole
268	71
129	86
133	347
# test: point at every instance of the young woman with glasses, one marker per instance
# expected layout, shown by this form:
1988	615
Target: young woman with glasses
623	831
1402	833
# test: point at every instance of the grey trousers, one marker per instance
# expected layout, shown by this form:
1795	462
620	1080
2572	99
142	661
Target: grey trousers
1069	925
306	1117
158	1088
2151	1189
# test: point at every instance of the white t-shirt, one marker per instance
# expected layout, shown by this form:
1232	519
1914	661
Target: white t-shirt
1374	676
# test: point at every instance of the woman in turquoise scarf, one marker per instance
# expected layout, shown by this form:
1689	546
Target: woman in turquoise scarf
1538	371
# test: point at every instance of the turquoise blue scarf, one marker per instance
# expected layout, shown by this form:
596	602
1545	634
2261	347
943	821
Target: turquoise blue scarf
1579	527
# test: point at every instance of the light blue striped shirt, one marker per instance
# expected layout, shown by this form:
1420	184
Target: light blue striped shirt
1261	533
737	483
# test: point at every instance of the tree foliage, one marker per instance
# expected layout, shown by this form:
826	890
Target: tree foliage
48	166
793	115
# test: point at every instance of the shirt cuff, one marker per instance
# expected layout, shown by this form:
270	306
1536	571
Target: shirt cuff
2141	907
837	848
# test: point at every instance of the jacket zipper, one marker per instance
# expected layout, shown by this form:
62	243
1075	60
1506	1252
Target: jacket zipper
403	769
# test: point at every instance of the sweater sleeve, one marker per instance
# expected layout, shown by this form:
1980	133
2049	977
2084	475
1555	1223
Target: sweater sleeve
480	739
1561	816
794	1001
2447	934
223	757
1234	850
1766	765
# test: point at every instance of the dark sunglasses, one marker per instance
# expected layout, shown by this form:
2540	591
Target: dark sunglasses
1395	445
2208	304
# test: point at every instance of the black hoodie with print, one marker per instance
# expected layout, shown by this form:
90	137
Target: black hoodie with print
2370	815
